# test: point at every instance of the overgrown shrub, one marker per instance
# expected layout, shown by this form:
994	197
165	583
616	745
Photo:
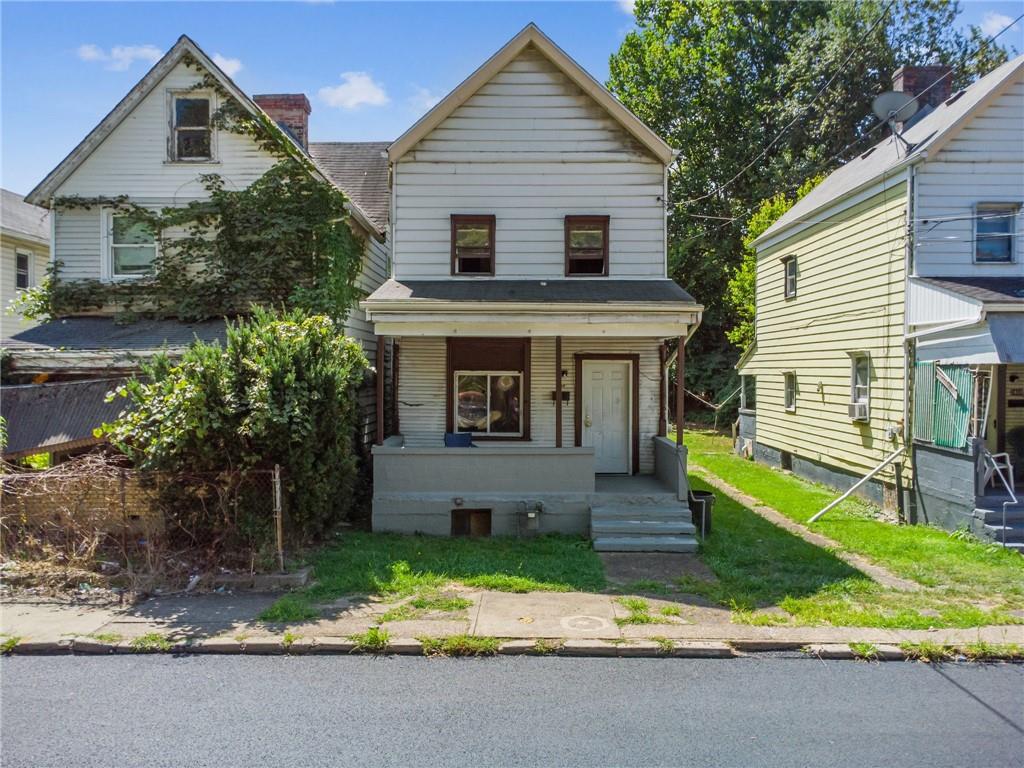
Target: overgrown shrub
281	391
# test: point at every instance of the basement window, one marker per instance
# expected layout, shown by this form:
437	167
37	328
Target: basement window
474	523
191	139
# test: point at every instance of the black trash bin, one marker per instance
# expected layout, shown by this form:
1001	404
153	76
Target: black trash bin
701	504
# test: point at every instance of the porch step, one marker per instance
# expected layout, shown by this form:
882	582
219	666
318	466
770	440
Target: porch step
992	514
667	512
645	544
640	527
1012	534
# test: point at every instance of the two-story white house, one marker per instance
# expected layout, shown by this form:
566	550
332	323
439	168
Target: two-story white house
890	314
531	313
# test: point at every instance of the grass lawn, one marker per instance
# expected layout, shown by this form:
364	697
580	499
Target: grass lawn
968	583
397	566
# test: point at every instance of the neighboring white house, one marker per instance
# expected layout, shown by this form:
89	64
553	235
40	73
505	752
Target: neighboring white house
531	312
25	253
890	312
153	148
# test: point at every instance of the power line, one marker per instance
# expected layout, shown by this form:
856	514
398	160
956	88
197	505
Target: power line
801	113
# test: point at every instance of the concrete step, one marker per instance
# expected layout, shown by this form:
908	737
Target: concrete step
1016	546
1013	533
645	544
634	527
666	512
993	515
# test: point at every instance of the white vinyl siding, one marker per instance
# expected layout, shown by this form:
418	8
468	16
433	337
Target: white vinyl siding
531	148
133	159
422	390
984	163
38	260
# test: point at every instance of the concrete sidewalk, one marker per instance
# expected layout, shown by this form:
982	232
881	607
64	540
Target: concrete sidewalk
554	618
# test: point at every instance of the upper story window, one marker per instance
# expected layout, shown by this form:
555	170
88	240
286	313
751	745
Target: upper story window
994	233
472	244
586	245
131	248
192	136
22	270
789	280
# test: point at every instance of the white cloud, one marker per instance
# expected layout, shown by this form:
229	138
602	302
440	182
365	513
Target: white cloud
993	22
626	6
422	100
231	67
120	57
357	89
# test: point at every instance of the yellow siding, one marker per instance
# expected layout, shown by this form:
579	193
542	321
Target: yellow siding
849	299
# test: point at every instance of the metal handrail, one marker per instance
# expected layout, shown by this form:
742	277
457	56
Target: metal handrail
885	463
999	471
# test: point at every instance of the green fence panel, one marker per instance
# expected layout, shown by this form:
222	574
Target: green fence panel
924	401
951	412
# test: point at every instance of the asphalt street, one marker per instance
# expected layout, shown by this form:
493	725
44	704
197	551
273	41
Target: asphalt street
517	711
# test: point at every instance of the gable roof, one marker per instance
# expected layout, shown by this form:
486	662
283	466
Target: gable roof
927	136
360	170
185	45
531	35
20	219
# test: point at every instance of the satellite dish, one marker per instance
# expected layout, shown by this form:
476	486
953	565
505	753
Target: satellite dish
893	106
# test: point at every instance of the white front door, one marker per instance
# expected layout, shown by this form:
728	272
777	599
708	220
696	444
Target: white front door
606	413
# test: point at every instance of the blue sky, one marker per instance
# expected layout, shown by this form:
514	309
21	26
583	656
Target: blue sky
369	69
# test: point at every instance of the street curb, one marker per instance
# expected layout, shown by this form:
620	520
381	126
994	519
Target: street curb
336	646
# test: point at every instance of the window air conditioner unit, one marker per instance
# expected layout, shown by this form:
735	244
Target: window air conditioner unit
859	411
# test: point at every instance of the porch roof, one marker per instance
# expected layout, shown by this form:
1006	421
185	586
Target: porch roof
489	307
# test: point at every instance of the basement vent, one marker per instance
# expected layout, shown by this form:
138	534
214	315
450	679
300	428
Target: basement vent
475	523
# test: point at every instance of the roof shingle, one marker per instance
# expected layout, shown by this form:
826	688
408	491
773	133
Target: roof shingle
360	169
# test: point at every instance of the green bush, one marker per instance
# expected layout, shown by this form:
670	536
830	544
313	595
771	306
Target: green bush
281	391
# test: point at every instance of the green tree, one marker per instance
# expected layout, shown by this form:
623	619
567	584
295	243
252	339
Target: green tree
721	80
281	391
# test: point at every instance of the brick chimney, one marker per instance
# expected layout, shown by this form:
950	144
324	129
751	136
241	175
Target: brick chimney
914	80
290	111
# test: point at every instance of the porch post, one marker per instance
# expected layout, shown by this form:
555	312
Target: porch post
395	349
680	375
558	391
380	390
662	393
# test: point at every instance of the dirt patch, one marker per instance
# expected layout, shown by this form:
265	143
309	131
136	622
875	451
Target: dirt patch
627	568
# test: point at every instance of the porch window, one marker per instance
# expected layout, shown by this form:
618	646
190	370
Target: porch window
190	125
131	248
586	245
789	279
472	245
860	387
488	403
489	380
789	386
994	233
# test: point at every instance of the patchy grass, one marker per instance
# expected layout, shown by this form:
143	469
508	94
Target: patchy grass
639	612
373	640
670	610
106	637
759	565
927	555
460	645
152	641
665	645
982	651
424	603
928	651
542	646
289	639
864	651
397	566
9	644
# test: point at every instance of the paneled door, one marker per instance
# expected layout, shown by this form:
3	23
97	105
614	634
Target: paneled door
606	414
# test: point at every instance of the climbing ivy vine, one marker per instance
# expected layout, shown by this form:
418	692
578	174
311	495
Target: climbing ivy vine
284	242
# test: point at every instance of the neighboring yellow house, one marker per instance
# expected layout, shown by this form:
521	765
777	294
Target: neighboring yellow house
890	315
25	251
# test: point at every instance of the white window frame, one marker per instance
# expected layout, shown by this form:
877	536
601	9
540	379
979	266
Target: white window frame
107	242
787	262
455	402
860	394
789	391
30	269
172	136
983	208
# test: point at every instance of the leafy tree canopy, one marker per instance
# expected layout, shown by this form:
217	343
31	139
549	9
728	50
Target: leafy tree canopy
720	80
